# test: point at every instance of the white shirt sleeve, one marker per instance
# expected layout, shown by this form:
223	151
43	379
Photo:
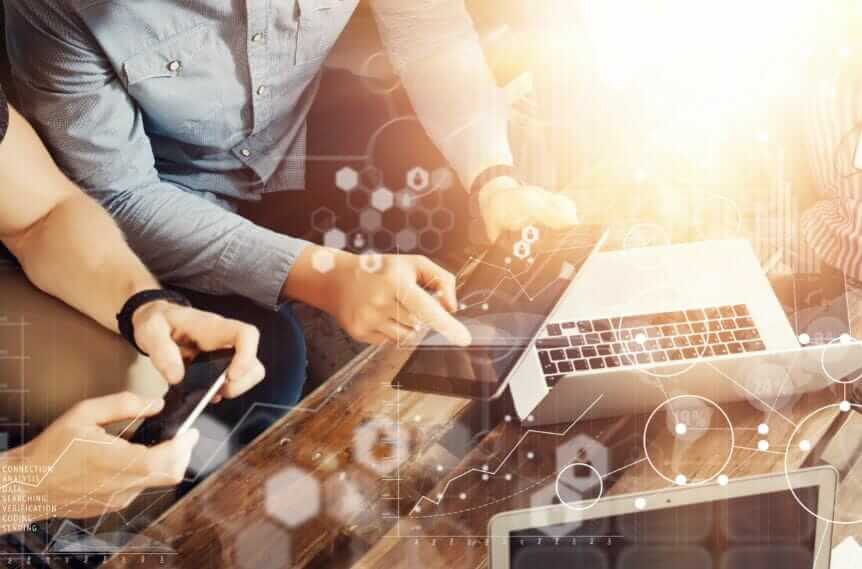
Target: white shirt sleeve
436	51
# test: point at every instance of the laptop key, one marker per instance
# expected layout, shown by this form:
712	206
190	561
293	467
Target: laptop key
726	337
597	363
551	343
545	358
695	315
718	350
643	358
653	332
713	339
741	310
714	326
594	338
674	355
549	368
690	353
659	356
577	340
651	345
728	324
696	340
573	353
567	325
712	313
604	349
589	351
744	322
557	355
735	348
698	327
581	365
669	317
668	331
554	330
726	311
683	329
665	343
680	341
748	334
609	337
619	348
754	346
612	361
584	326
625	335
602	325
565	367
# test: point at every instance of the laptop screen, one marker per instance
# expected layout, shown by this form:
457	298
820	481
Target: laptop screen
763	530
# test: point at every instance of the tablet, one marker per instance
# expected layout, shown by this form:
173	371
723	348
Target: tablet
749	522
507	298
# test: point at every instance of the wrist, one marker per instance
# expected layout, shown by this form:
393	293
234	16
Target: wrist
317	275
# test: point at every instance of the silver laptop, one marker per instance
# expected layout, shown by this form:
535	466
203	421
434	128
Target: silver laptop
639	325
764	521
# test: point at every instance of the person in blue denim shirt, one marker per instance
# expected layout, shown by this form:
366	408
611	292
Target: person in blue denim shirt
171	112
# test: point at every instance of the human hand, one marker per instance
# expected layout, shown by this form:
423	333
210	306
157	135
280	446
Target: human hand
505	205
89	471
170	333
392	301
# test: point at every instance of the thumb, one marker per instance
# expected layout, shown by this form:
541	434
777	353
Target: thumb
170	460
116	407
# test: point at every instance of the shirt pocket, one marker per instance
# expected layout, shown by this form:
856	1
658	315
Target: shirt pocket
176	82
320	25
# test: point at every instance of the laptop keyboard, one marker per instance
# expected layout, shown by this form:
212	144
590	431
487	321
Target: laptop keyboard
667	337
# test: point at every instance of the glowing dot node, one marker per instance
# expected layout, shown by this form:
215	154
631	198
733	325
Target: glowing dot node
508	477
462	496
531	455
681	428
763	445
844	338
640	503
723	480
805	445
440	496
681	480
508	418
485	477
439	468
844	406
763	429
804	339
640	338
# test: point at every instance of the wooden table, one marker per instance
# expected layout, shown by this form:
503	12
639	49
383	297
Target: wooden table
313	492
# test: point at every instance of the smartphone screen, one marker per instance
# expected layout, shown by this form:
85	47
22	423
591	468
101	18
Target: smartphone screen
185	401
816	305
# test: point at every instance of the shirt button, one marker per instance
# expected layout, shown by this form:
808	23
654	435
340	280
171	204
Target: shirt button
245	152
261	90
175	65
258	37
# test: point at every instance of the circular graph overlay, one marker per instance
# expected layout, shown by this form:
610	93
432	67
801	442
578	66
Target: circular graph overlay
647	235
847	512
572	498
841	360
693	414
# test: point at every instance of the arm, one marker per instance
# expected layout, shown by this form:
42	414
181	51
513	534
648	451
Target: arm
57	230
80	107
435	50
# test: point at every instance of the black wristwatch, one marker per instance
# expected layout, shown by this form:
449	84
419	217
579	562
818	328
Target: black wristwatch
480	183
124	318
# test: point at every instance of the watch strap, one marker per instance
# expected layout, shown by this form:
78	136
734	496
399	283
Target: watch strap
124	317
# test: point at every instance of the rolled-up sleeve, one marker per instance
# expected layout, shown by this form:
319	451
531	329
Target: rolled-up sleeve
434	48
95	131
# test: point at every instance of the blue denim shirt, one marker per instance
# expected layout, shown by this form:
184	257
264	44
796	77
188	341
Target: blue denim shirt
151	106
141	99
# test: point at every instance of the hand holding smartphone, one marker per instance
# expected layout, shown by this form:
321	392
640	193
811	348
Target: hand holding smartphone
186	400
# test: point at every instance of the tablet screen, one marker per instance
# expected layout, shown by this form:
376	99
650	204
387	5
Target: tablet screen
761	530
504	302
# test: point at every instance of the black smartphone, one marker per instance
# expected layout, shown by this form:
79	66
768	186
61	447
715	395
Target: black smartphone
185	401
